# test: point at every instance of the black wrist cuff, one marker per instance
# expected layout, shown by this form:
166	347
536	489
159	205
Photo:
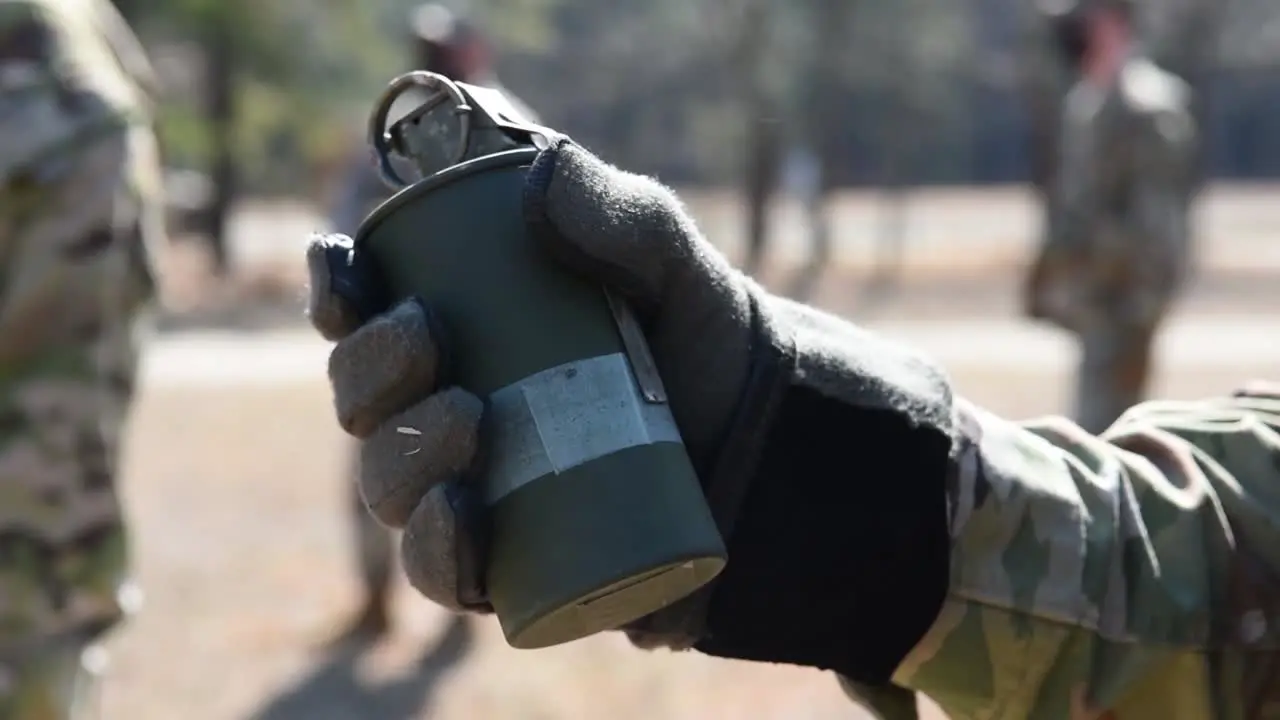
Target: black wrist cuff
839	555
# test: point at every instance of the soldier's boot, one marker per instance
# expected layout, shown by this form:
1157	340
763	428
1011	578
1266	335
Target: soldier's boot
886	702
1115	371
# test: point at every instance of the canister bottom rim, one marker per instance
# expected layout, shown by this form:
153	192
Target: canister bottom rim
617	604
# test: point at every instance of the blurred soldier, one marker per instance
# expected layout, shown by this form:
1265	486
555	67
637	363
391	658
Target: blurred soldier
1118	191
443	43
80	214
789	123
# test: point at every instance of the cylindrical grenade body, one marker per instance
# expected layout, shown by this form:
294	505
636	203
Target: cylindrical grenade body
597	515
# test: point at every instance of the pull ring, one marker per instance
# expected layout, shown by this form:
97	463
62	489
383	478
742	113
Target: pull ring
380	136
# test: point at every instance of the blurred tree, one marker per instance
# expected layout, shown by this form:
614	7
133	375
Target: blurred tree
916	94
220	45
761	114
269	72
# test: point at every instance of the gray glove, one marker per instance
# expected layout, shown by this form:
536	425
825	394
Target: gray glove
823	450
419	438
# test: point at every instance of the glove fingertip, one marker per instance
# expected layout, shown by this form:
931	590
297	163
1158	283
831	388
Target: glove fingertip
330	314
383	366
605	224
344	287
435	540
410	455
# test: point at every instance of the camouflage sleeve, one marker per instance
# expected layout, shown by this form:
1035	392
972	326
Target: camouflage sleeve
79	210
78	249
1133	575
77	270
60	87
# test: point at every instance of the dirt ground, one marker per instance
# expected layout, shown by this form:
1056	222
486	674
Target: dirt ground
236	492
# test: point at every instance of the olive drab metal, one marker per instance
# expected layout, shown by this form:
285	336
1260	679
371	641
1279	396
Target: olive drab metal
597	515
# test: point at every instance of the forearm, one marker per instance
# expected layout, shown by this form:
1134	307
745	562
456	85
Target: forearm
1091	573
887	527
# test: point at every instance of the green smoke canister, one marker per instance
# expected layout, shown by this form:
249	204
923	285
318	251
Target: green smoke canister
598	517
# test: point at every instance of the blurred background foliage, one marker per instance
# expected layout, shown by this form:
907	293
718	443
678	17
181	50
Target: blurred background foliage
924	87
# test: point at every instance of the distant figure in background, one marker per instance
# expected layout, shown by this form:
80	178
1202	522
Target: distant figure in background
443	43
1117	185
790	129
81	214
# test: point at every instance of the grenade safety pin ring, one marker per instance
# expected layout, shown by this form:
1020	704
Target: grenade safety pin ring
380	137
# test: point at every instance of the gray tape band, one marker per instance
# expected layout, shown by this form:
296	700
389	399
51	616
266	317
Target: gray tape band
563	417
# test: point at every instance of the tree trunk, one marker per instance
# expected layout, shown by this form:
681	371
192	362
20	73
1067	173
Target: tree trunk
222	116
897	130
828	22
831	18
763	137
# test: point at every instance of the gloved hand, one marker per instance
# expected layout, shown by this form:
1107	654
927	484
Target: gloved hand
822	449
385	372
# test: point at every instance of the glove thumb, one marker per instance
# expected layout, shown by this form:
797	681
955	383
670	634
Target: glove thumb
626	230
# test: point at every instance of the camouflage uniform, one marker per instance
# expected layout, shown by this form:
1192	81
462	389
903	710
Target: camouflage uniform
80	211
1117	244
1132	575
